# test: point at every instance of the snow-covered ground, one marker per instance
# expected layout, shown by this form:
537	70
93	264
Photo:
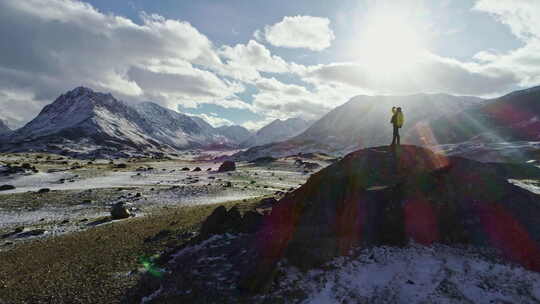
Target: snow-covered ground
415	274
82	195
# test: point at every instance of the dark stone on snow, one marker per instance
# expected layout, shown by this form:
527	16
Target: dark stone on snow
44	190
197	169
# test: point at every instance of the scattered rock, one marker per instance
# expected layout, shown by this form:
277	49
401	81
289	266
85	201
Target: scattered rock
268	202
34	232
227	166
227	185
197	169
185	169
44	190
120	166
6	187
263	160
311	166
120	211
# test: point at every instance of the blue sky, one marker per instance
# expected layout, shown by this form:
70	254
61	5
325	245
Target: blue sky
249	62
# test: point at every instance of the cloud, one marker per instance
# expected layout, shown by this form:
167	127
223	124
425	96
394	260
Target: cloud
308	32
276	99
18	107
245	61
523	16
429	74
523	19
78	45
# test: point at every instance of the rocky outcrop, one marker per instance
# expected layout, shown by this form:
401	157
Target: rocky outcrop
221	221
381	196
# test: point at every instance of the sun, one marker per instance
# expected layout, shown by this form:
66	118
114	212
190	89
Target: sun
390	42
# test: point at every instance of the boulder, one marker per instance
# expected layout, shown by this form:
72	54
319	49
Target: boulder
227	166
197	169
6	187
214	222
120	211
221	221
44	190
185	169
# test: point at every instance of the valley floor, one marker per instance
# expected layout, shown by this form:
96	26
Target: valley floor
60	246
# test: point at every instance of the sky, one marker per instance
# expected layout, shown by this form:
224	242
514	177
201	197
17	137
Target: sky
250	62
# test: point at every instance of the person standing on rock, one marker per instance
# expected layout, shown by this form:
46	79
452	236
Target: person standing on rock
397	122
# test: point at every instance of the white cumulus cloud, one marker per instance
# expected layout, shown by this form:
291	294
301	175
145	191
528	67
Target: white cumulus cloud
308	32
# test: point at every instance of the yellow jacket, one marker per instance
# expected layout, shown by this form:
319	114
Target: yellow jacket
397	118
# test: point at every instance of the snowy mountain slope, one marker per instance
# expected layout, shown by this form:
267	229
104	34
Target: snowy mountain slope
179	130
512	117
364	121
235	133
83	122
276	131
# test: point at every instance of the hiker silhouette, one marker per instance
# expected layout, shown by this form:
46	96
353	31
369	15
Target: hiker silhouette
397	122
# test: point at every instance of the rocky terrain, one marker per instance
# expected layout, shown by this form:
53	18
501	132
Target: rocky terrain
405	224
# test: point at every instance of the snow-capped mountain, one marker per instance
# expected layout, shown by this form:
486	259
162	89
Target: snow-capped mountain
235	133
364	121
180	131
276	131
87	123
4	129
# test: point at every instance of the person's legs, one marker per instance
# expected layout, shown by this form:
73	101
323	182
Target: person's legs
395	135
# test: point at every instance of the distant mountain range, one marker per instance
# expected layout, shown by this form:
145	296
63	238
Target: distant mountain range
364	121
236	133
278	130
85	123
